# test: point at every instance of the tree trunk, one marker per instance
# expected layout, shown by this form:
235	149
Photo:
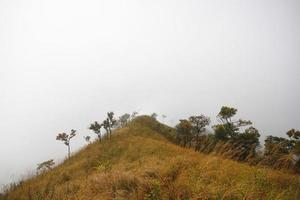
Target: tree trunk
197	142
99	137
69	151
109	133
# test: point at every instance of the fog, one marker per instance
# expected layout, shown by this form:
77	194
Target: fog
65	63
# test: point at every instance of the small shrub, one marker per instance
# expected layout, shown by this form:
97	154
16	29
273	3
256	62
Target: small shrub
153	192
104	166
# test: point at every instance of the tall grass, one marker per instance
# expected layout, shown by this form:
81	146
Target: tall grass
140	163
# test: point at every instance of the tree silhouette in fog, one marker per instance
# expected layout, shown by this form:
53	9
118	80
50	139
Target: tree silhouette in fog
66	138
96	127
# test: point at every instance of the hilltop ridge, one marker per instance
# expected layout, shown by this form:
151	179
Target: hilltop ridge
141	161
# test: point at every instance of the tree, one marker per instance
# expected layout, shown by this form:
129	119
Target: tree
105	126
294	141
96	127
47	165
277	146
109	123
133	115
236	144
198	124
248	143
65	138
184	132
87	138
226	113
124	119
228	128
294	136
153	116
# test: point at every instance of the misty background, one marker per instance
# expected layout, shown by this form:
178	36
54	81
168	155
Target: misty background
65	63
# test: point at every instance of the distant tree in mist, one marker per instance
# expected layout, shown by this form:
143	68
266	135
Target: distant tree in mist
184	132
96	128
154	115
198	124
124	119
133	115
87	138
66	138
294	136
47	165
244	142
280	152
109	123
228	128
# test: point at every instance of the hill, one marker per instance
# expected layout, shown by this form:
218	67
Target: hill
142	162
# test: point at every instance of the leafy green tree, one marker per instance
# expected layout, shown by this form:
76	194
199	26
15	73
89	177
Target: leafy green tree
184	132
248	142
96	128
294	136
276	147
228	128
66	138
238	145
198	124
277	152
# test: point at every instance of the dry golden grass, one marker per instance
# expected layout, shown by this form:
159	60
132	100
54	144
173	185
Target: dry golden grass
140	163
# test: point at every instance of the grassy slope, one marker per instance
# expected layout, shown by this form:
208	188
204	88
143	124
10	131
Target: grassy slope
139	163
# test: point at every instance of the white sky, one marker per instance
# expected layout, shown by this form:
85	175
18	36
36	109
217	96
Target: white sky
65	63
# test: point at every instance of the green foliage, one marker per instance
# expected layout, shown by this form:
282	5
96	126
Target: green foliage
96	127
226	114
227	139
154	191
104	166
184	132
198	124
283	153
109	123
221	133
46	165
140	163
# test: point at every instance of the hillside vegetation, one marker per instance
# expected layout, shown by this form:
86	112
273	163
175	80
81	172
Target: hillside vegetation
141	161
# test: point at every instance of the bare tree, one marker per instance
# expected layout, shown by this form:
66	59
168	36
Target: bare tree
65	138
